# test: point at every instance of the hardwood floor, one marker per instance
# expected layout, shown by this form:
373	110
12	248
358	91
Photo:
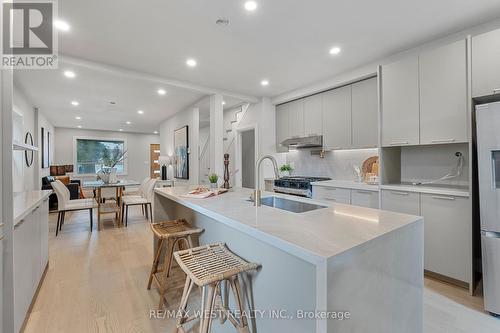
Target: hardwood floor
96	282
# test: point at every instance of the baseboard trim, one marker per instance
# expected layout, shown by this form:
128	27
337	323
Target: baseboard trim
447	279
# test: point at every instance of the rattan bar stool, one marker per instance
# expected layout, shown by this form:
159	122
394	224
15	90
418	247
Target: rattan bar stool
176	232
208	266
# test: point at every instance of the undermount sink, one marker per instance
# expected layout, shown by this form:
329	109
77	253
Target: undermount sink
289	205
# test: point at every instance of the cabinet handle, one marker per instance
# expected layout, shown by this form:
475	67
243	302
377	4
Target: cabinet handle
329	199
496	90
439	197
330	188
443	140
399	193
364	192
398	143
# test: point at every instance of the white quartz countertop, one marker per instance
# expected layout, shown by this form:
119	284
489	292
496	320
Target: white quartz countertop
314	236
25	202
347	184
459	191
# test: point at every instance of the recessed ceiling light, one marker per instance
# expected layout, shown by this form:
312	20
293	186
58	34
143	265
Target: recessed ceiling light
264	83
250	6
69	74
128	122
79	126
78	118
61	25
191	62
121	129
335	50
140	112
75	103
155	132
162	91
223	102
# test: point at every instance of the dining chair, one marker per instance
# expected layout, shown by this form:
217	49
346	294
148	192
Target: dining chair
139	192
144	200
67	205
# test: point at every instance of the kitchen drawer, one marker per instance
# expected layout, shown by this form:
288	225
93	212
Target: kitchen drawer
364	198
335	194
401	202
448	236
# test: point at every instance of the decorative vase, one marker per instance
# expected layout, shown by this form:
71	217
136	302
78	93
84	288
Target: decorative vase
285	173
112	176
213	186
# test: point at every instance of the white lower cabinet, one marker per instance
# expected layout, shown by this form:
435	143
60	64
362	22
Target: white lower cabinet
364	198
332	194
448	236
401	202
30	259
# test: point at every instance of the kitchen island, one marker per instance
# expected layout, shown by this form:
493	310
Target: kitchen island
359	267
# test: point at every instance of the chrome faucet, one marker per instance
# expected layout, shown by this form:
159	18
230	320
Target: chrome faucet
257	192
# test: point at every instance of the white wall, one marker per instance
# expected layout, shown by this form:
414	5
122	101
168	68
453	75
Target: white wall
137	149
29	178
263	116
189	117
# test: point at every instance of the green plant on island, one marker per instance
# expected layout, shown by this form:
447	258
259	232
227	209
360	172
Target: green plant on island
286	167
213	178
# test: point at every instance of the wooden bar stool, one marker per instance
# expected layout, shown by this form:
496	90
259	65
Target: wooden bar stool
176	232
207	267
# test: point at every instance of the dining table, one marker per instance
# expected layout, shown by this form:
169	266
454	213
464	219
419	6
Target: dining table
113	206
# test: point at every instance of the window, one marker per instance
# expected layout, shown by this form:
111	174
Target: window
90	154
495	158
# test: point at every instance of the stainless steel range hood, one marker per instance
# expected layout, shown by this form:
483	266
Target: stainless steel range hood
304	142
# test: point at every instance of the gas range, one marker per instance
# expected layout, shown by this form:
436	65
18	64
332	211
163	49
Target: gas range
296	185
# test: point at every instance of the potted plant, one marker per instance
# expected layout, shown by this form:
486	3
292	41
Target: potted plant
213	178
286	170
109	159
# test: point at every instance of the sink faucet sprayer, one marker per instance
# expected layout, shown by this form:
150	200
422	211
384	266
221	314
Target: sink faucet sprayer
257	192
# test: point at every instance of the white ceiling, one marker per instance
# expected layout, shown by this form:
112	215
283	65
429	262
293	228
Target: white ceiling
94	89
285	41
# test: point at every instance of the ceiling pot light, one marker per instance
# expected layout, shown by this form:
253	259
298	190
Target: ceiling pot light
121	129
79	126
155	132
223	102
162	91
191	62
250	6
140	112
335	50
264	83
61	25
69	74
78	118
75	103
128	122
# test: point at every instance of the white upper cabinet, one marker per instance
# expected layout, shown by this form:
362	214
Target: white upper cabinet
443	94
296	118
337	118
365	114
486	64
400	104
313	116
281	127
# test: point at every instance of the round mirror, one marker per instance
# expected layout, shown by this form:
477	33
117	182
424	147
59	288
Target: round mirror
28	154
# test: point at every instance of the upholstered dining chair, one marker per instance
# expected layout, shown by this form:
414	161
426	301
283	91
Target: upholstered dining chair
67	205
145	200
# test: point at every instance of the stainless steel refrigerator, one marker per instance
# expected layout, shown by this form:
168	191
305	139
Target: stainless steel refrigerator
488	150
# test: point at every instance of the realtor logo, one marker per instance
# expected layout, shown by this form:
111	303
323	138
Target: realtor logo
29	39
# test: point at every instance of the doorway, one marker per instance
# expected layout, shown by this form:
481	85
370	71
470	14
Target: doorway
248	158
154	160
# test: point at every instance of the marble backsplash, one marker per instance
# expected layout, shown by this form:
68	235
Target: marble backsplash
336	164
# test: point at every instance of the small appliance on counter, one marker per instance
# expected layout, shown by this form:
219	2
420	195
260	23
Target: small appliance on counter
296	185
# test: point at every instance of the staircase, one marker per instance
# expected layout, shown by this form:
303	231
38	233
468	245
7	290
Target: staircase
234	118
